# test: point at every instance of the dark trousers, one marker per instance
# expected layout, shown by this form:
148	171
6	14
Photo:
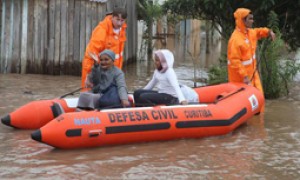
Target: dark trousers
144	97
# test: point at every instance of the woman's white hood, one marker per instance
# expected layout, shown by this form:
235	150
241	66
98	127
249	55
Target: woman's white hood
166	58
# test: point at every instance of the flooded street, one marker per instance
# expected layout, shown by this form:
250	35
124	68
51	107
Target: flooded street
268	147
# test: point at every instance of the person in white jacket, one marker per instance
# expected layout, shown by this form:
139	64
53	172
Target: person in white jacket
165	80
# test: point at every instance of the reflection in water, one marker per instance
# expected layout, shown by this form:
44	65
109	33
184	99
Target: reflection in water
266	148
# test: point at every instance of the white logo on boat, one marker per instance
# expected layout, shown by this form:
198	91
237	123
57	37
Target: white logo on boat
87	121
254	102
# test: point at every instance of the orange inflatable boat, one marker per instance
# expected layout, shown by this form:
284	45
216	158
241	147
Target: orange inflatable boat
38	113
223	108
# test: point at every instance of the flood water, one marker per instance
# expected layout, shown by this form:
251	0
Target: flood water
267	147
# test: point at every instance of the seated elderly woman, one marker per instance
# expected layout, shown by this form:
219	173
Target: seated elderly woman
107	83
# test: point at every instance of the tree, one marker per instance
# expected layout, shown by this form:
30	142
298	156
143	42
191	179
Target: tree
220	12
149	11
281	16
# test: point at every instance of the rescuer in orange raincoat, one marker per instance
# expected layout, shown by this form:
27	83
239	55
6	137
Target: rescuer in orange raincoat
241	49
109	34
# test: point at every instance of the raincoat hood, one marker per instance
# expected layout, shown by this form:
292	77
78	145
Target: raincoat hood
239	15
166	58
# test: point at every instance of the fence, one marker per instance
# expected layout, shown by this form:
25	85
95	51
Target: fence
50	36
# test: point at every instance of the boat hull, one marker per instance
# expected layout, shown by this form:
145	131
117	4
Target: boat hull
36	114
228	106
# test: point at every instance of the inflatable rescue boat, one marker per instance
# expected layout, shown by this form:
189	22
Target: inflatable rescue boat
223	108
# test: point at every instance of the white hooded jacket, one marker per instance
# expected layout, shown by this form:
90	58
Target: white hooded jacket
166	79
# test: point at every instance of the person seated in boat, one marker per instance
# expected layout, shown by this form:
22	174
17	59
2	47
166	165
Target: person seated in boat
164	78
107	84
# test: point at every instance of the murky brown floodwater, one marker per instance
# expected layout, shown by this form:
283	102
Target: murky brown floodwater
266	148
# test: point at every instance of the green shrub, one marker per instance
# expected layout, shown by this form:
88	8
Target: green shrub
276	70
218	74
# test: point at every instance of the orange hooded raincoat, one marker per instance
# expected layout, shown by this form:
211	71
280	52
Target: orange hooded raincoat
241	50
103	37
